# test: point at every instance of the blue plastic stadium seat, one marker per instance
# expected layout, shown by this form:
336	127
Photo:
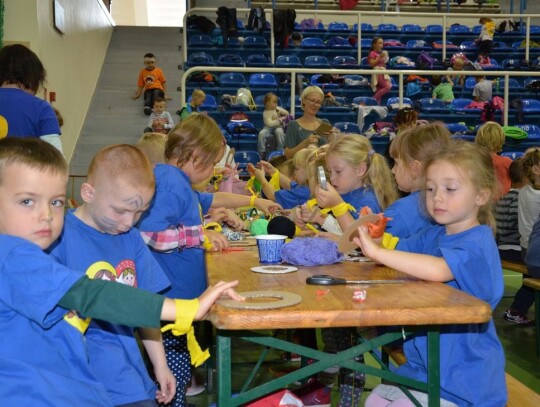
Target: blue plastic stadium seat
200	59
470	82
230	60
434	29
344	62
243	158
365	101
411	28
209	103
456	128
315	82
493	66
338	42
262	80
232	79
234	42
501	45
464	137
288	61
364	64
347	127
338	26
200	40
318	27
512	154
316	61
477	29
387	28
240	24
534	29
512	64
366	43
432	105
393	102
459	105
258	61
459	29
532	130
531	106
297	102
465	45
513	84
364	27
313	42
255	41
276	153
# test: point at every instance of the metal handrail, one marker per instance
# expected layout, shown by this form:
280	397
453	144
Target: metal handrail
367	72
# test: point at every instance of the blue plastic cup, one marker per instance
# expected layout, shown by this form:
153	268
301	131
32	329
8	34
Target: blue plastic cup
270	248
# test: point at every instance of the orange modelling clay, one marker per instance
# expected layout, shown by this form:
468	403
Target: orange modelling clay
376	229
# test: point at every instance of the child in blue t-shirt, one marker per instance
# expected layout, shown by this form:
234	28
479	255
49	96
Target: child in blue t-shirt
410	151
281	188
43	360
359	177
460	251
193	147
98	238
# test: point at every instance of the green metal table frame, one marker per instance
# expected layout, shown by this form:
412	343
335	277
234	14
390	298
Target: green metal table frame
322	361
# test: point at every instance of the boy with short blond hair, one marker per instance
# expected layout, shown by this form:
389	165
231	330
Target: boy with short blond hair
197	99
43	359
98	236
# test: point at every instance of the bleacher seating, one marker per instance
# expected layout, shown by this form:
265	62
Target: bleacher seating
200	40
236	79
316	42
243	158
316	61
432	105
255	41
533	131
347	127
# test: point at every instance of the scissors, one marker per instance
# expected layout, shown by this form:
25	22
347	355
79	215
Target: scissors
323	279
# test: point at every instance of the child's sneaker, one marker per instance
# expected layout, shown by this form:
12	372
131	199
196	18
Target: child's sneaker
517	317
147	110
314	394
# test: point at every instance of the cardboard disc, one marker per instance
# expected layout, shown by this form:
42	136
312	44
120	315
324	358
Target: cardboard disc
279	299
346	243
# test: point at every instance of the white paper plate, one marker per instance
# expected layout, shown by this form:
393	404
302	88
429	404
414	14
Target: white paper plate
274	269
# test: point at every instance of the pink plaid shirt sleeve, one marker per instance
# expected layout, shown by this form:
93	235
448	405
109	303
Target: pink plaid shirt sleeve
181	237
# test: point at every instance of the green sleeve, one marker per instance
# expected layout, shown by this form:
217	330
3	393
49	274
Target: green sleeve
113	302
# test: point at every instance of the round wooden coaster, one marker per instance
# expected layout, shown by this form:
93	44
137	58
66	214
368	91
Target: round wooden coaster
284	299
346	243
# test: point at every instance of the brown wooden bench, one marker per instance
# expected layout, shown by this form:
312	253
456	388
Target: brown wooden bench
514	266
534	283
519	395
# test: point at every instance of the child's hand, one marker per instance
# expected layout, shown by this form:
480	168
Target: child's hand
268	168
296	214
267	206
212	293
312	215
233	220
369	247
135	97
217	240
167	384
327	198
217	214
255	172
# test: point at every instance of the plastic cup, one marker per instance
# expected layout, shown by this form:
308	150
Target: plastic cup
270	248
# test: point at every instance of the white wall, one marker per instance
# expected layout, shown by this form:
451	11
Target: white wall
155	13
73	61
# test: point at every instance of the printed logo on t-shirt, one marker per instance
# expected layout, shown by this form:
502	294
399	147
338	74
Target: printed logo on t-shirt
123	273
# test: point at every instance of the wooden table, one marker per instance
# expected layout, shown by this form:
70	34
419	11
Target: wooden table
410	304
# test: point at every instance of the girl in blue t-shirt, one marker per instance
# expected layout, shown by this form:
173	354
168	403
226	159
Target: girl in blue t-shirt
358	177
173	224
460	251
410	152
